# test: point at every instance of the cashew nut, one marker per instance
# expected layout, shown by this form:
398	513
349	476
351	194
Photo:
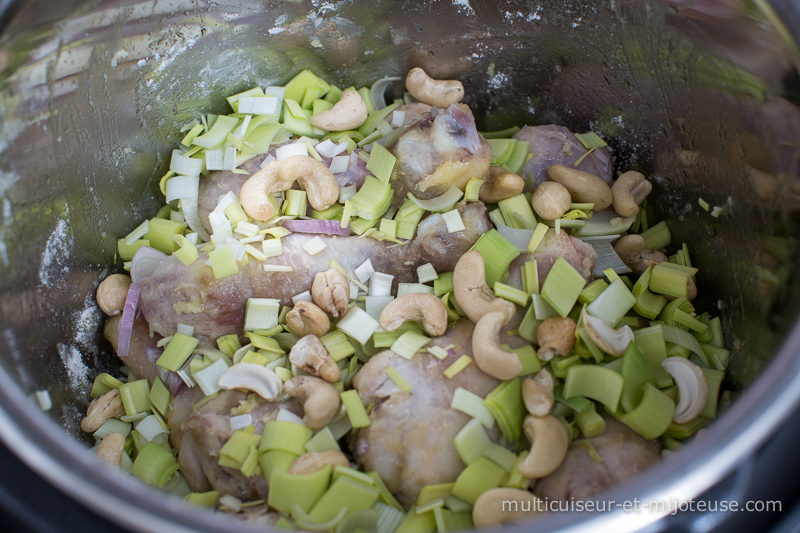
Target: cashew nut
549	444
489	356
537	393
582	186
307	319
348	114
331	291
111	293
631	250
105	406
504	506
472	293
555	336
320	399
629	190
318	180
110	449
551	200
311	462
421	307
253	377
311	356
612	341
500	184
438	93
692	388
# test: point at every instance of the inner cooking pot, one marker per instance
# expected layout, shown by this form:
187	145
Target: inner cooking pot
698	95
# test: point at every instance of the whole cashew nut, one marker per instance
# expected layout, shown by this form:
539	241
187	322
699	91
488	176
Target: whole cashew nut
310	355
582	186
318	180
105	406
489	356
629	190
331	291
504	506
692	388
537	393
110	449
438	93
111	293
500	184
307	319
472	293
320	399
311	462
631	250
549	444
348	114
555	336
551	200
421	307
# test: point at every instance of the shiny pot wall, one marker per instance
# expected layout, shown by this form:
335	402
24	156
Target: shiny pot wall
93	94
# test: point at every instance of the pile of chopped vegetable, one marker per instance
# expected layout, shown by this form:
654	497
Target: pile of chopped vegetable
631	386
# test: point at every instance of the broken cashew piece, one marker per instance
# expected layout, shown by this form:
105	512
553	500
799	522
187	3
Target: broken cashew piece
692	388
471	291
317	179
438	93
551	200
111	293
110	449
105	406
612	341
549	444
555	336
311	462
306	318
631	250
489	356
420	307
490	509
310	355
252	377
320	399
331	291
348	114
583	187
628	191
500	184
537	393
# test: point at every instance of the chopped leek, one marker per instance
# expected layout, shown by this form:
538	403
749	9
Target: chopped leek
218	132
507	292
517	212
652	416
453	222
497	252
344	493
471	441
178	350
381	162
460	364
159	396
286	436
287	490
612	304
636	373
590	422
223	263
595	382
473	189
355	409
409	343
273	460
671	279
261	313
372	199
358	324
538	237
505	404
562	286
530	277
443	284
337	345
154	465
501	456
398	379
480	476
440	203
657	237
470	403
135	397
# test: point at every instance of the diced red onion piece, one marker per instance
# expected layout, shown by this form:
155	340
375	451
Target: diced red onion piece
144	262
128	316
329	227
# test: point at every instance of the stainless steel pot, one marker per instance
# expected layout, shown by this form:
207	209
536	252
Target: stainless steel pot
698	96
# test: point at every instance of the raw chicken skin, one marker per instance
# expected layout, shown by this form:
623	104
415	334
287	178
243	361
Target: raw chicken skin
176	293
556	145
441	149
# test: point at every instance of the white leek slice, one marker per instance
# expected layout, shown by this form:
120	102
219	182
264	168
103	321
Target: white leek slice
398	118
452	219
289	150
208	377
285	415
345	193
329	149
339	164
364	271
241	421
302	297
358	324
440	203
314	246
259	105
180	187
380	284
187	166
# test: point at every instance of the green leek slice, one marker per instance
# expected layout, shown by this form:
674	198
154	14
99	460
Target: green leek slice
636	373
595	382
154	465
562	286
287	490
652	416
506	405
497	252
480	476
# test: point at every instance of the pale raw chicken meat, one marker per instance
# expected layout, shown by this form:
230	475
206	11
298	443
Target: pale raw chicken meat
556	145
580	255
624	454
410	439
441	149
176	293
